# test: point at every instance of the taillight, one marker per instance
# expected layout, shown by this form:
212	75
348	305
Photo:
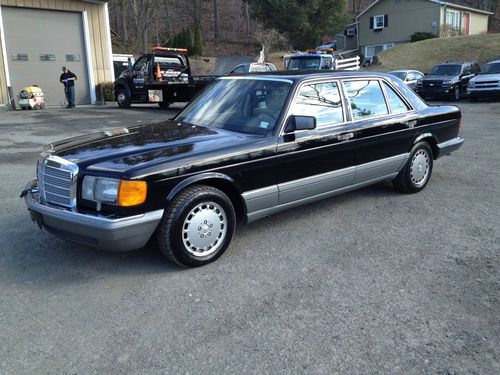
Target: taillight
459	123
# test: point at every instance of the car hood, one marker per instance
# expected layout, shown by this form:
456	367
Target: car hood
120	150
440	78
486	78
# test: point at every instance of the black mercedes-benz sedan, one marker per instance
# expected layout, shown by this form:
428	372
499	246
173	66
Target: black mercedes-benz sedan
247	147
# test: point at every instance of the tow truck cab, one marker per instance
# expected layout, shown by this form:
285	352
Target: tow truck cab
162	76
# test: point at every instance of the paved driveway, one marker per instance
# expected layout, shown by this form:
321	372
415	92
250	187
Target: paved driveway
368	282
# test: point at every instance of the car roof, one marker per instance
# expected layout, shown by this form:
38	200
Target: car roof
300	75
493	61
404	71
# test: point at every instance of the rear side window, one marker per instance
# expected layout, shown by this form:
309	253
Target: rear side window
367	99
321	100
395	102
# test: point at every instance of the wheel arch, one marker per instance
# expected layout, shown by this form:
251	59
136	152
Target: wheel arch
217	180
122	85
431	140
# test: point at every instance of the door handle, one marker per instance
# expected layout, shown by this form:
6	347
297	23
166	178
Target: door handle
345	136
410	124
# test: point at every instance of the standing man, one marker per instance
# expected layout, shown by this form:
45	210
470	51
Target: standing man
68	79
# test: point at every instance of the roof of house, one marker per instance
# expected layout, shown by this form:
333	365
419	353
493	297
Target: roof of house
439	2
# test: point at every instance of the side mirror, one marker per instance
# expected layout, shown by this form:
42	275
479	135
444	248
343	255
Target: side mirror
466	73
300	123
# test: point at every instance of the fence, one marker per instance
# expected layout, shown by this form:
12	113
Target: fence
347	64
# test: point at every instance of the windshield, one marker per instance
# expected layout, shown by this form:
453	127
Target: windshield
492	68
445	70
250	106
304	63
400	75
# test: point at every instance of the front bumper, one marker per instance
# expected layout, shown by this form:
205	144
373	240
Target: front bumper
435	92
104	232
477	92
448	147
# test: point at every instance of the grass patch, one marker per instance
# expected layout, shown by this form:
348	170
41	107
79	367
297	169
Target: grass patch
425	54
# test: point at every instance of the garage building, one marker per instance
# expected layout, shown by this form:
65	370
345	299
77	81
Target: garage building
38	37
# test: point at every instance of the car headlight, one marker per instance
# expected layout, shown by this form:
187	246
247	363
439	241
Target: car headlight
472	84
448	83
419	82
112	191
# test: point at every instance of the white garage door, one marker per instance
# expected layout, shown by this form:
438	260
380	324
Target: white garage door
39	43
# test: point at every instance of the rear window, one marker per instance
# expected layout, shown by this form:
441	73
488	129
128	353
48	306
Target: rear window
367	99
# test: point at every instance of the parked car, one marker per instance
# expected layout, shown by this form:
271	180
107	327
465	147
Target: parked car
247	147
253	68
487	82
410	77
447	80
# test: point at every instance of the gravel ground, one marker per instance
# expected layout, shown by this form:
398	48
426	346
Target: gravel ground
368	282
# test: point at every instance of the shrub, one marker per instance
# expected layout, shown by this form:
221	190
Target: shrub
108	91
198	43
421	36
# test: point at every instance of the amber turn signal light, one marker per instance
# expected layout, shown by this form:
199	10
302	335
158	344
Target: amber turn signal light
132	193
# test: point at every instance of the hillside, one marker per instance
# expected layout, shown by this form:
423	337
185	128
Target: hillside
425	54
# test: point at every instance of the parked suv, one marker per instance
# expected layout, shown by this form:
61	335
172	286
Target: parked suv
447	80
487	82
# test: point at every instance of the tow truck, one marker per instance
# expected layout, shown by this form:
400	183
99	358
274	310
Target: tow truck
162	76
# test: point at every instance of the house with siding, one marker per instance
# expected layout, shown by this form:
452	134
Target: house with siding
38	37
386	23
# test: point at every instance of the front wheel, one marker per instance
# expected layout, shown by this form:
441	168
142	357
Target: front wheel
456	94
417	170
197	227
122	99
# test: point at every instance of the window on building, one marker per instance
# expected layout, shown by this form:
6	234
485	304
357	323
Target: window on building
367	99
453	19
19	57
74	57
379	22
321	100
47	57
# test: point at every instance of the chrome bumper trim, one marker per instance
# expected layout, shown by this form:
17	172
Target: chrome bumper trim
117	234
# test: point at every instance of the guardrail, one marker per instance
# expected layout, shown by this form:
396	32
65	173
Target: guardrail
346	64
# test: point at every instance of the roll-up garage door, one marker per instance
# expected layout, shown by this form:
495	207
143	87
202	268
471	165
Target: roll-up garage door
39	43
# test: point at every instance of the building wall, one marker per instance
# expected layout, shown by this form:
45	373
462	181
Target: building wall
405	17
96	15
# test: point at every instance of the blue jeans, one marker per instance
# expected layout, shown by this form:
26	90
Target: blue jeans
70	95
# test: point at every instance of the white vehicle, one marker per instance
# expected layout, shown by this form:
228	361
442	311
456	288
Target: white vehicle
486	83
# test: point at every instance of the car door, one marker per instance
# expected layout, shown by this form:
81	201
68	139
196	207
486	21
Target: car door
140	77
385	127
317	161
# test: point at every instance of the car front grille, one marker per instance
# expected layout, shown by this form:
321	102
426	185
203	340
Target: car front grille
488	84
57	181
432	84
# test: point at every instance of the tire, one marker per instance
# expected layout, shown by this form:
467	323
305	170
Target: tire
122	99
191	218
164	105
456	94
417	171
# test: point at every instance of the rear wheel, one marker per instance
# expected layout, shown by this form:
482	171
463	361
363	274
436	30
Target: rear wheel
417	170
197	227
122	99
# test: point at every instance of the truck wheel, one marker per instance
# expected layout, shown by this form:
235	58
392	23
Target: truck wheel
197	227
417	170
122	99
164	105
456	94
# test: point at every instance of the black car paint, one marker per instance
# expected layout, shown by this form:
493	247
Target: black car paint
171	155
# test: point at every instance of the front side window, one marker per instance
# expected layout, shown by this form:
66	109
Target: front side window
397	104
321	100
367	99
250	106
141	64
